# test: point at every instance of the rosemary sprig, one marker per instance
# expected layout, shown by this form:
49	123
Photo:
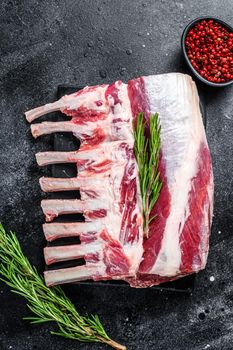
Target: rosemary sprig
146	149
48	304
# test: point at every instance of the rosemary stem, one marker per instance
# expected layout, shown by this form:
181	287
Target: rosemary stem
147	217
113	344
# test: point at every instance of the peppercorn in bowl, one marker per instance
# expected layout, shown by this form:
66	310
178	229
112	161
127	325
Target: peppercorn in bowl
207	45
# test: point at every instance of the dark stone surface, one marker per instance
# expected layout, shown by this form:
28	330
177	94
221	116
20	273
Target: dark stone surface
46	43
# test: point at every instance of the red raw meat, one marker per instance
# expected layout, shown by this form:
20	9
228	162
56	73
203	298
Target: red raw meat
112	241
179	236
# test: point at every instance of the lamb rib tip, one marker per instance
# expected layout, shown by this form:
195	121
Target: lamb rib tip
68	275
55	207
46	128
95	186
53	231
47	158
52	184
68	252
42	110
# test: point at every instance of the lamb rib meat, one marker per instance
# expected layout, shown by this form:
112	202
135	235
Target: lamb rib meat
111	238
112	241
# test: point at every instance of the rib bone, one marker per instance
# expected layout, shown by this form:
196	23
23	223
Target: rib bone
84	99
52	184
83	131
69	252
68	275
89	187
46	158
57	230
54	207
50	127
109	151
39	111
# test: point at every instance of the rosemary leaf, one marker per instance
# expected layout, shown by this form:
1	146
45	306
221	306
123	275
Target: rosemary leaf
48	304
147	151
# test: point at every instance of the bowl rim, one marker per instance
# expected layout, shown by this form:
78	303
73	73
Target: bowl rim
183	37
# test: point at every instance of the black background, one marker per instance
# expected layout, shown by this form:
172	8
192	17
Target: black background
47	43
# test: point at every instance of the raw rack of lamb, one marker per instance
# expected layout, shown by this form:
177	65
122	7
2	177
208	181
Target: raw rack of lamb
112	240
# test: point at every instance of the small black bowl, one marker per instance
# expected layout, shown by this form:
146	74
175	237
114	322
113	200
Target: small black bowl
186	30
